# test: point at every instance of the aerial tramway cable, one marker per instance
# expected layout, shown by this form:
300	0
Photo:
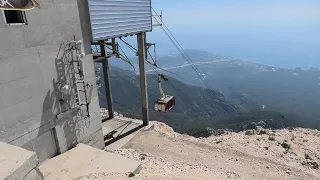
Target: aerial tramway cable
178	46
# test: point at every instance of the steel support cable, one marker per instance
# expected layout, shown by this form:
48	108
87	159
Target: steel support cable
174	38
181	50
123	52
133	49
126	57
177	74
155	57
175	90
126	114
154	61
192	66
191	63
123	56
155	64
161	68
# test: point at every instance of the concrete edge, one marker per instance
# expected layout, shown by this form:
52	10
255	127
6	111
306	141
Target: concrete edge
150	127
34	174
125	142
25	168
136	171
139	168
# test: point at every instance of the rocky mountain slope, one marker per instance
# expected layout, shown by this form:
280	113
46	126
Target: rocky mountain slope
256	154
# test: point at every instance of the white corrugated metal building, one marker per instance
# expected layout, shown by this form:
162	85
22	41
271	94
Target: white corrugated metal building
114	18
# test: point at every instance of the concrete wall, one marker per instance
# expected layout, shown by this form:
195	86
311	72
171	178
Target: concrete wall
34	58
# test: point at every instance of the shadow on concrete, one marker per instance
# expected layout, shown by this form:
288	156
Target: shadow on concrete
61	102
122	131
116	130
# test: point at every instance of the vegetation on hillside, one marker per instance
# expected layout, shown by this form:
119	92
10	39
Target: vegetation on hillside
196	108
251	85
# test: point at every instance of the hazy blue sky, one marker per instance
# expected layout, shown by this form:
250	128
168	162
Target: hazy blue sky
284	33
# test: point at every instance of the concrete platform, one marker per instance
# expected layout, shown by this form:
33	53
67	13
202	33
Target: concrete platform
120	130
84	160
18	164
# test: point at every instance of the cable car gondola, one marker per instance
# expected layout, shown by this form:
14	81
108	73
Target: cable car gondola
165	103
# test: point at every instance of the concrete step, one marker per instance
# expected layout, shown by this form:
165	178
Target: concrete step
18	164
84	160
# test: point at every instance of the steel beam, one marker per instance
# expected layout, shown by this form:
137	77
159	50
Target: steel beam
143	79
107	83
